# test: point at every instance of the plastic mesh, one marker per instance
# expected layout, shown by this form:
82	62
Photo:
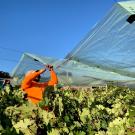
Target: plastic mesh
69	72
105	55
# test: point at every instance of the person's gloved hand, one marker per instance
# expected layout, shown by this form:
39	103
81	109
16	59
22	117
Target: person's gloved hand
49	67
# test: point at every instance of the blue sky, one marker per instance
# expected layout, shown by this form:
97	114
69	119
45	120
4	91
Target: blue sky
45	27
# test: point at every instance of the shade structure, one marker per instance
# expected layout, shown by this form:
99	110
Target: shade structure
106	54
110	45
69	72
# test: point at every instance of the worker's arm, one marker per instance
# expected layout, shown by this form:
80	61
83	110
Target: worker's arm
29	77
36	73
53	80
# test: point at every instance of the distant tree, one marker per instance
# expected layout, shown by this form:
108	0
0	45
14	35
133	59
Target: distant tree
4	74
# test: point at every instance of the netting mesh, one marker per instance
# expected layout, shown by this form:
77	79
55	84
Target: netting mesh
63	68
69	72
105	55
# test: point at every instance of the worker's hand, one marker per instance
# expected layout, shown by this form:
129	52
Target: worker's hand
49	67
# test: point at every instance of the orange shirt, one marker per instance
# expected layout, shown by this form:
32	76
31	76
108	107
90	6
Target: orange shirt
36	89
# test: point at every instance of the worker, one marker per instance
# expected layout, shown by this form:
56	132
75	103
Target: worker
35	89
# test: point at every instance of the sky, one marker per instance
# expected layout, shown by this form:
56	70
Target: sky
45	27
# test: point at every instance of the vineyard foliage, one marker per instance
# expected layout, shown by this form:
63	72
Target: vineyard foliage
99	111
